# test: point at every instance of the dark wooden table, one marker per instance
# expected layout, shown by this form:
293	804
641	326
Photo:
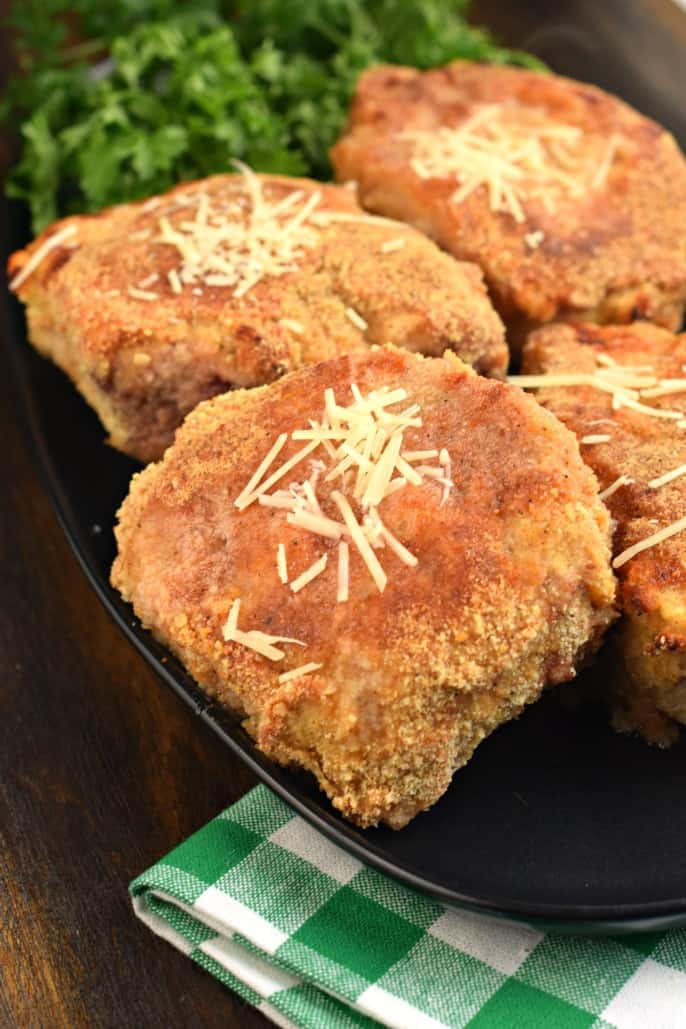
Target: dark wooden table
102	768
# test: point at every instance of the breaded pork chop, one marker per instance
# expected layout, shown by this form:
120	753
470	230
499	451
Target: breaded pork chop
572	203
425	598
633	457
233	281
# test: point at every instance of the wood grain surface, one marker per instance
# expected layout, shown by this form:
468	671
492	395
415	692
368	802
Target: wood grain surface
102	768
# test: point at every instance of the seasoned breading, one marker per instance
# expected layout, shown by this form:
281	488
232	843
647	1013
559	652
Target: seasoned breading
633	465
572	203
494	579
152	307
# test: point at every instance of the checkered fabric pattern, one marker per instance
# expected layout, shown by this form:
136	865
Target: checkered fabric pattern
315	939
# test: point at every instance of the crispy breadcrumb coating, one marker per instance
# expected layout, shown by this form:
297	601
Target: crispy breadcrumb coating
612	253
103	305
649	694
511	588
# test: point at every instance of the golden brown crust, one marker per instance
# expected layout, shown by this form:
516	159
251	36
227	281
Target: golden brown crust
652	586
616	254
512	585
144	364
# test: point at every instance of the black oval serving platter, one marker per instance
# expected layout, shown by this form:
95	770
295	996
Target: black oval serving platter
556	821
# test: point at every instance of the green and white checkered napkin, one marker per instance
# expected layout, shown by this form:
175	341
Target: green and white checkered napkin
315	939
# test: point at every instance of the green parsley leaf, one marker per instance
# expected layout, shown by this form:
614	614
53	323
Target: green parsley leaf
141	94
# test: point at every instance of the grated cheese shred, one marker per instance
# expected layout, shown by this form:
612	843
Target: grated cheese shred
296	673
174	281
650	541
364	444
360	540
237	242
292	325
318	524
281	566
623	480
148	280
662	480
235	239
665	388
357	319
514	154
623	395
142	294
391	245
418	455
248	498
40	253
264	464
261	642
310	573
629	385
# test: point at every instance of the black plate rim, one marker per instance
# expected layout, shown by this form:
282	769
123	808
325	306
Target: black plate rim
603	919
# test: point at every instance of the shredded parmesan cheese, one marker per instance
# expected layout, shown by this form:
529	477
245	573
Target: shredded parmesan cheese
261	642
253	642
316	523
600	176
362	440
665	388
296	673
262	468
281	499
650	541
236	244
391	245
515	153
394	485
622	395
232	619
555	380
281	565
397	547
357	319
142	294
174	281
148	280
247	498
360	540
40	253
418	455
628	377
623	480
309	574
654	412
446	465
292	325
598	438
662	480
